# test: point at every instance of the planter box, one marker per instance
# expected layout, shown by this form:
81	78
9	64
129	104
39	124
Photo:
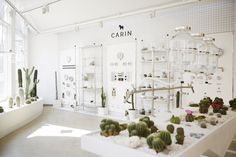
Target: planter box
13	119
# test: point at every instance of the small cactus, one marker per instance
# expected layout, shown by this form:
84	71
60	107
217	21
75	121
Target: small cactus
170	128
140	128
175	120
1	109
158	145
203	125
166	137
180	136
111	128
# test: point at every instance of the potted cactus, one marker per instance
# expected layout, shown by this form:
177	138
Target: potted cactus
189	117
132	111
233	104
103	110
217	104
204	105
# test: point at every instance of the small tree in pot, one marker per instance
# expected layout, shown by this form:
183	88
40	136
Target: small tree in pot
131	111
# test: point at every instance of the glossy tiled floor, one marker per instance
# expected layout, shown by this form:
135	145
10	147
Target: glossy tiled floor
55	133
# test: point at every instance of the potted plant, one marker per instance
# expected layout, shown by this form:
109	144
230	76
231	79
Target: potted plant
204	105
233	104
131	111
103	110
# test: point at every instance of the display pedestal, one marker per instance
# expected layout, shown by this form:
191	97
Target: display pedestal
215	141
14	118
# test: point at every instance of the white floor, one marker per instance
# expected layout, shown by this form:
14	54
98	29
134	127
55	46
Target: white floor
56	133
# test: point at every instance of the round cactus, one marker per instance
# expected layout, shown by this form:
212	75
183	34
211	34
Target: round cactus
109	128
166	137
158	145
1	109
131	126
175	120
203	125
189	118
222	111
150	139
141	128
170	128
153	129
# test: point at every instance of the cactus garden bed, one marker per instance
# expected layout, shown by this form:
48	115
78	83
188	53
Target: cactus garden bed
195	138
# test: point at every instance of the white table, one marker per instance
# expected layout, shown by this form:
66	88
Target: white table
214	143
16	117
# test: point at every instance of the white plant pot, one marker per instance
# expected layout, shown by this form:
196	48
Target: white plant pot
21	94
132	115
102	110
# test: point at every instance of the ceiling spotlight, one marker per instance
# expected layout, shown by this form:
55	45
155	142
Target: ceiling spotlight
45	9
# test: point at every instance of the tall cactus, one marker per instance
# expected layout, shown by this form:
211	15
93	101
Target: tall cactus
103	97
20	80
28	74
33	92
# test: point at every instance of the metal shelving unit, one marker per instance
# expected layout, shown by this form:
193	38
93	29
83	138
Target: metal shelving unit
90	76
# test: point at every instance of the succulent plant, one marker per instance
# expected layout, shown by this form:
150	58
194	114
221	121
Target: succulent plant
110	127
189	117
103	98
150	124
150	139
170	128
138	129
222	111
203	125
20	80
33	92
165	136
175	120
1	109
158	145
204	105
180	136
232	104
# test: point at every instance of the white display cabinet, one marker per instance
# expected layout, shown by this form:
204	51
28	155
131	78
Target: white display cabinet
91	77
154	72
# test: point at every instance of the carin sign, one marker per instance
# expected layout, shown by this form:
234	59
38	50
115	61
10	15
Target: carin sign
121	33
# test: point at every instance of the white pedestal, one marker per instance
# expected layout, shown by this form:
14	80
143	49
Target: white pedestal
12	119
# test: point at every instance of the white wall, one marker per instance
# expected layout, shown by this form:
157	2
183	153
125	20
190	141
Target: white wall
43	54
210	18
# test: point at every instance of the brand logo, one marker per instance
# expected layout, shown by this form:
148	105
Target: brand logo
122	32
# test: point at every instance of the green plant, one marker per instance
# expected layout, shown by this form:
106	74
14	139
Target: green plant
222	111
232	104
20	80
131	102
103	98
150	139
110	127
1	109
204	105
166	137
180	136
28	74
170	128
138	129
158	145
189	117
28	101
177	99
150	123
33	92
175	120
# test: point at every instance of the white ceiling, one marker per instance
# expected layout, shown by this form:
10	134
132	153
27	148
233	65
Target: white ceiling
68	12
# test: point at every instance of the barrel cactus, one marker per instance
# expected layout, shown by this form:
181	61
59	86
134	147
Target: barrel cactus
170	128
232	104
1	109
175	120
110	128
150	123
204	105
166	137
158	145
222	111
150	139
189	117
138	129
